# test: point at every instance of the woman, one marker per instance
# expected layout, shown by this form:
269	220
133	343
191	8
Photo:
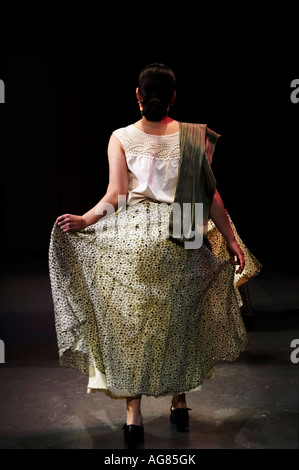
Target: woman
135	309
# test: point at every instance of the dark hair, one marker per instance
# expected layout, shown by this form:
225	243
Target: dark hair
156	87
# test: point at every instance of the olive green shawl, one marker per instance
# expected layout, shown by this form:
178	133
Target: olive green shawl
196	182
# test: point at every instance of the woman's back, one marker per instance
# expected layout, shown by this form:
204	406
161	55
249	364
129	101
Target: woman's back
153	162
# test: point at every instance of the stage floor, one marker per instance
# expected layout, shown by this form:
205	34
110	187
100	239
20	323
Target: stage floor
252	403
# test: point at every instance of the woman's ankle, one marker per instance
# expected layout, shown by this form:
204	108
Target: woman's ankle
134	419
134	415
178	401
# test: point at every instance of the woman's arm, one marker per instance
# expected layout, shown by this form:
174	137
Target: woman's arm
219	216
118	186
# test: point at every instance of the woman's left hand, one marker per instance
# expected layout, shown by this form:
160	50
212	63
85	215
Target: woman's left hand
234	252
71	223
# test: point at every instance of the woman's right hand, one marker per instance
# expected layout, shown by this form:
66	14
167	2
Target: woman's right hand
71	223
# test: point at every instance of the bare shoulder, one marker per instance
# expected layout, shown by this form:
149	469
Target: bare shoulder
173	127
115	143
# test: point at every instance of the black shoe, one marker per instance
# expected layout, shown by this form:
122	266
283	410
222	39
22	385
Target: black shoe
133	435
180	417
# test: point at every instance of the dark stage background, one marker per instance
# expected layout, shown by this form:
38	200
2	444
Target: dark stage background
70	72
70	75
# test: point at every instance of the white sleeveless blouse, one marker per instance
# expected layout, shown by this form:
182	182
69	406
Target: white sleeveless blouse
153	164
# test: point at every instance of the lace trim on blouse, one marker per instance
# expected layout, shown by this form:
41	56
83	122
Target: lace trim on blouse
136	143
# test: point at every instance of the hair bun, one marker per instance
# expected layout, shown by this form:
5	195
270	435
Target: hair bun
154	109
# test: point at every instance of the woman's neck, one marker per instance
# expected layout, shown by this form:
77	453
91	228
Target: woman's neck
163	127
